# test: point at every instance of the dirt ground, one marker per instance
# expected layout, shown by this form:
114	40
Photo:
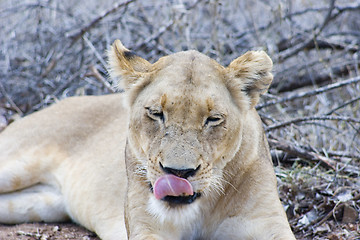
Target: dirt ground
67	231
45	231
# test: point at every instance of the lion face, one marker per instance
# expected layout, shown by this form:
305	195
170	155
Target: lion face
186	124
186	121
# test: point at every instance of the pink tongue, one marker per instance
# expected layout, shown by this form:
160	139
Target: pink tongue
171	185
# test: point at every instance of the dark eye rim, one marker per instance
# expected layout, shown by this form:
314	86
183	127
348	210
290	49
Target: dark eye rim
155	114
214	120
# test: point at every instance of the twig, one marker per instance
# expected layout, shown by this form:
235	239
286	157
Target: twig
285	146
327	18
164	28
311	92
309	73
318	222
338	205
95	21
307	119
351	101
344	33
95	73
56	59
341	154
154	37
29	234
93	49
340	10
51	65
312	38
323	43
27	7
65	84
287	16
76	36
298	13
294	50
8	98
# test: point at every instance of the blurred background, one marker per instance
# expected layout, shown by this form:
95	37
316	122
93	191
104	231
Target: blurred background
53	49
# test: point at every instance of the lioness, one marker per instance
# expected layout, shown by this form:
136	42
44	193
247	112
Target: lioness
186	158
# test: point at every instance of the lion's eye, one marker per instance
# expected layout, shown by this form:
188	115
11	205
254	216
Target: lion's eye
155	114
214	120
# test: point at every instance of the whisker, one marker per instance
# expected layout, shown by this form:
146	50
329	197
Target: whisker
215	185
230	184
222	177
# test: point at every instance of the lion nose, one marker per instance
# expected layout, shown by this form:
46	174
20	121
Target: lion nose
183	173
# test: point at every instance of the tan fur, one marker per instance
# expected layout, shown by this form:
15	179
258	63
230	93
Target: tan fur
186	112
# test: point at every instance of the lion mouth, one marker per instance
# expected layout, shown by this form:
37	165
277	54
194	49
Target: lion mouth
174	190
177	200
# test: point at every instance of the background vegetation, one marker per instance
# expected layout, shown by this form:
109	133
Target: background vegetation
53	49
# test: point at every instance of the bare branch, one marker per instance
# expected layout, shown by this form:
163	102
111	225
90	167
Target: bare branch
8	98
78	34
346	8
299	13
96	53
290	148
156	36
342	154
312	38
26	7
95	73
307	119
283	145
311	92
351	101
95	21
327	18
164	28
287	16
310	74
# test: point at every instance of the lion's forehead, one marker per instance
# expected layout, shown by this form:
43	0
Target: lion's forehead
188	77
190	67
191	92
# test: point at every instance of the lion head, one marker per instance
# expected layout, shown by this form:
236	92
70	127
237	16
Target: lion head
187	116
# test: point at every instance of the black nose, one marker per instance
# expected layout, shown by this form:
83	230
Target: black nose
183	173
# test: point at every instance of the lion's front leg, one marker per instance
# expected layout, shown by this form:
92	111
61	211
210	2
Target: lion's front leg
140	225
256	220
235	228
33	204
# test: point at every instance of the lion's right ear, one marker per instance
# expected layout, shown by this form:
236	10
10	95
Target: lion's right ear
126	67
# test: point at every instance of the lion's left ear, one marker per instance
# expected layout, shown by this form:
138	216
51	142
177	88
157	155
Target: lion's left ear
250	73
125	66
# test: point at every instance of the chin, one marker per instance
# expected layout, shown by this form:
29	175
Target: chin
171	212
